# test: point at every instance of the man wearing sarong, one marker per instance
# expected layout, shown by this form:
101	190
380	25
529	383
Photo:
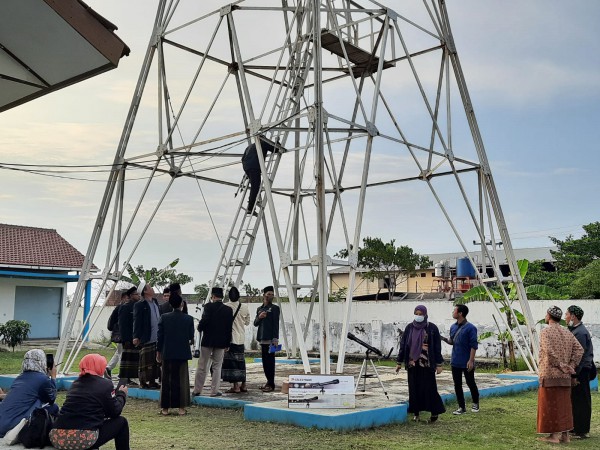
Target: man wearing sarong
581	398
234	364
560	354
175	333
130	358
145	334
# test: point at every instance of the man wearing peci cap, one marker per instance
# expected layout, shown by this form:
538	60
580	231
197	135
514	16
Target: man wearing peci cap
146	314
215	326
267	321
581	398
560	354
130	358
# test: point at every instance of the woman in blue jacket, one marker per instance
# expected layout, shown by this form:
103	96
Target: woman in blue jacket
34	387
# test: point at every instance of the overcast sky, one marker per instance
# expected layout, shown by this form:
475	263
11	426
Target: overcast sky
533	70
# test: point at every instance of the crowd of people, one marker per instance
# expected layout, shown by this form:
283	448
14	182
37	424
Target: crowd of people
566	366
155	343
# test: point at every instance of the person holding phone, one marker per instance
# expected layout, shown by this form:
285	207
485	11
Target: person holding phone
33	388
267	321
91	415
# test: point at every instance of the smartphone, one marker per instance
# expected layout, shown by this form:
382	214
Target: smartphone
49	361
122	382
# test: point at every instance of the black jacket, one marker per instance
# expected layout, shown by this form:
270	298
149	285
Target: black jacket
126	322
268	328
166	307
250	159
175	331
215	325
90	400
434	342
141	320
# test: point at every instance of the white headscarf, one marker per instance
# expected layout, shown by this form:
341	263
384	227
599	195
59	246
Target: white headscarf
35	361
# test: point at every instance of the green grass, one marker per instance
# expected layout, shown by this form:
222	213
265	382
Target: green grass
503	423
10	362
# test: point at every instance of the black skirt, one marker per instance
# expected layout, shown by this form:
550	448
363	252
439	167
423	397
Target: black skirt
422	391
234	365
175	387
130	361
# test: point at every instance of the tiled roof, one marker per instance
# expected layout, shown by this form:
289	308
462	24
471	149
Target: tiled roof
37	247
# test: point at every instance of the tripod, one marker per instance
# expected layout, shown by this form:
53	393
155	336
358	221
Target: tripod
364	375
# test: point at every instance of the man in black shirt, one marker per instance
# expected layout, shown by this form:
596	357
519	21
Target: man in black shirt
251	166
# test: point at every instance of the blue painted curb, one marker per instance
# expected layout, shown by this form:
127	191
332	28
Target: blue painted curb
344	421
219	402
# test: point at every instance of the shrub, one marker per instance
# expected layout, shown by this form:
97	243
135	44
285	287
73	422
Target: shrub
14	332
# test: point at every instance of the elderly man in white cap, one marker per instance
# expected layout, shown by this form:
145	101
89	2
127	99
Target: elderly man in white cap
146	314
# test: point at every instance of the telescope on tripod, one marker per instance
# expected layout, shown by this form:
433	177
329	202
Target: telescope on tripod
363	370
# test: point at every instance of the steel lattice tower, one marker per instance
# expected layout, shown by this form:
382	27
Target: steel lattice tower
359	97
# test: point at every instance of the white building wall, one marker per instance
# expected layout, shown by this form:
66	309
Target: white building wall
380	323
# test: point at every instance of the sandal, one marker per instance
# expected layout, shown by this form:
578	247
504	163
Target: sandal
232	391
162	413
243	390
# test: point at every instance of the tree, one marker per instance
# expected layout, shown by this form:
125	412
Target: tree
251	292
387	262
574	254
513	317
14	332
557	279
587	281
158	278
201	291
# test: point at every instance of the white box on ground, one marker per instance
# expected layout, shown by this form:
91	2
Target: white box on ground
321	391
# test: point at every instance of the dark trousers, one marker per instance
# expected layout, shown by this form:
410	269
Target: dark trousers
268	362
581	402
457	374
117	429
254	178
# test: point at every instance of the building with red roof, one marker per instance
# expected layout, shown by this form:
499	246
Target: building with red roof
35	266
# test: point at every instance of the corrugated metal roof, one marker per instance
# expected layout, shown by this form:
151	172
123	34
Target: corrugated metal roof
30	247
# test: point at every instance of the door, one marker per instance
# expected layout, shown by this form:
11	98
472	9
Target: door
39	306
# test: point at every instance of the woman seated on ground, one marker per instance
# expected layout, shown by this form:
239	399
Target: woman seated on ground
33	388
91	414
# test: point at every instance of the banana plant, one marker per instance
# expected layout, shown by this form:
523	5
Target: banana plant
156	277
513	316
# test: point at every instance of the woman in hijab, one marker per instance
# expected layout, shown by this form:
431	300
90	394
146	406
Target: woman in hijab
91	415
421	353
34	387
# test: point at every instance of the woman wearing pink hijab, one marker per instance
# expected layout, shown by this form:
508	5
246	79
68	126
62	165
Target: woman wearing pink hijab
91	414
